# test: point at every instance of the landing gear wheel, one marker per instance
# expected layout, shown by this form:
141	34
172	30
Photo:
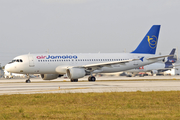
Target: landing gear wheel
28	81
91	79
74	80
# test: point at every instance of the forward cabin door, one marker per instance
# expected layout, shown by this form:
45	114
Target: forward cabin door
31	61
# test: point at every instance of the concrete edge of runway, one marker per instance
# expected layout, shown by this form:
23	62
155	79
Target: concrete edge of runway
99	79
107	84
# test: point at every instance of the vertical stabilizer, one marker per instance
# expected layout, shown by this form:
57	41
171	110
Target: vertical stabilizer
170	60
149	43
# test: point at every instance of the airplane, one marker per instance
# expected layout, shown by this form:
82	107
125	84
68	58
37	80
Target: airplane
157	67
1	73
9	75
52	66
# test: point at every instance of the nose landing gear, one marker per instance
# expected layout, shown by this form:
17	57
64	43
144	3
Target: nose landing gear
28	80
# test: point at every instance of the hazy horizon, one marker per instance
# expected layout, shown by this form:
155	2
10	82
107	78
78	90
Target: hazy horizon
85	26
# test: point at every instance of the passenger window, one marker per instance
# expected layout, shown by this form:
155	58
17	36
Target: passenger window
17	60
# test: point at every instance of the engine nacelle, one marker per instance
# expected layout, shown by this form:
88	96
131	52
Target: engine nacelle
154	72
75	73
49	76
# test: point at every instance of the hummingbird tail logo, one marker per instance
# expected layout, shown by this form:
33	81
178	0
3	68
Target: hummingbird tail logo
152	41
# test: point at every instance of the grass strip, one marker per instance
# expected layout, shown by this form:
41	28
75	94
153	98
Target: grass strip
114	105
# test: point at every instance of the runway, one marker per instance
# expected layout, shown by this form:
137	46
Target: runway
119	84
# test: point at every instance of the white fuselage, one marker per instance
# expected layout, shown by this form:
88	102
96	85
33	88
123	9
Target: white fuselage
58	63
148	68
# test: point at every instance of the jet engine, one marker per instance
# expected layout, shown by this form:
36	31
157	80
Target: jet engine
49	76
75	73
153	72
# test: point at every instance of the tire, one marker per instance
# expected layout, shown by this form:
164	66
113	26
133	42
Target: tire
74	80
28	81
91	79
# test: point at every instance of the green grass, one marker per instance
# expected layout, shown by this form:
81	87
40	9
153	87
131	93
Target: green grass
115	105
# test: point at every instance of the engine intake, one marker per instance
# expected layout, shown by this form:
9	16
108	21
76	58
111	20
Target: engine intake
75	73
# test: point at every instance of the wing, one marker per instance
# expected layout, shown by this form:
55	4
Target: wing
92	67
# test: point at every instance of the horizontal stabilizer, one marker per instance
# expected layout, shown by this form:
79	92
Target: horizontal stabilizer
158	57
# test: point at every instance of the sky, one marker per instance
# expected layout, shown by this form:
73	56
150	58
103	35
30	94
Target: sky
85	26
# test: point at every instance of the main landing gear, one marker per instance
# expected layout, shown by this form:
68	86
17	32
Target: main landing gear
74	80
28	80
91	79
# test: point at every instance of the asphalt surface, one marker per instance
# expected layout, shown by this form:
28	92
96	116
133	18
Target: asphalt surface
103	84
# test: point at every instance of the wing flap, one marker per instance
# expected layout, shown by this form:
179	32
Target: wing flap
105	64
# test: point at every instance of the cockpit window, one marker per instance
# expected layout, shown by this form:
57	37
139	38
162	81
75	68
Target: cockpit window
16	60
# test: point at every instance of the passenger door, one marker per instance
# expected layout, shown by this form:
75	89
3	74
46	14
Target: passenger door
31	61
